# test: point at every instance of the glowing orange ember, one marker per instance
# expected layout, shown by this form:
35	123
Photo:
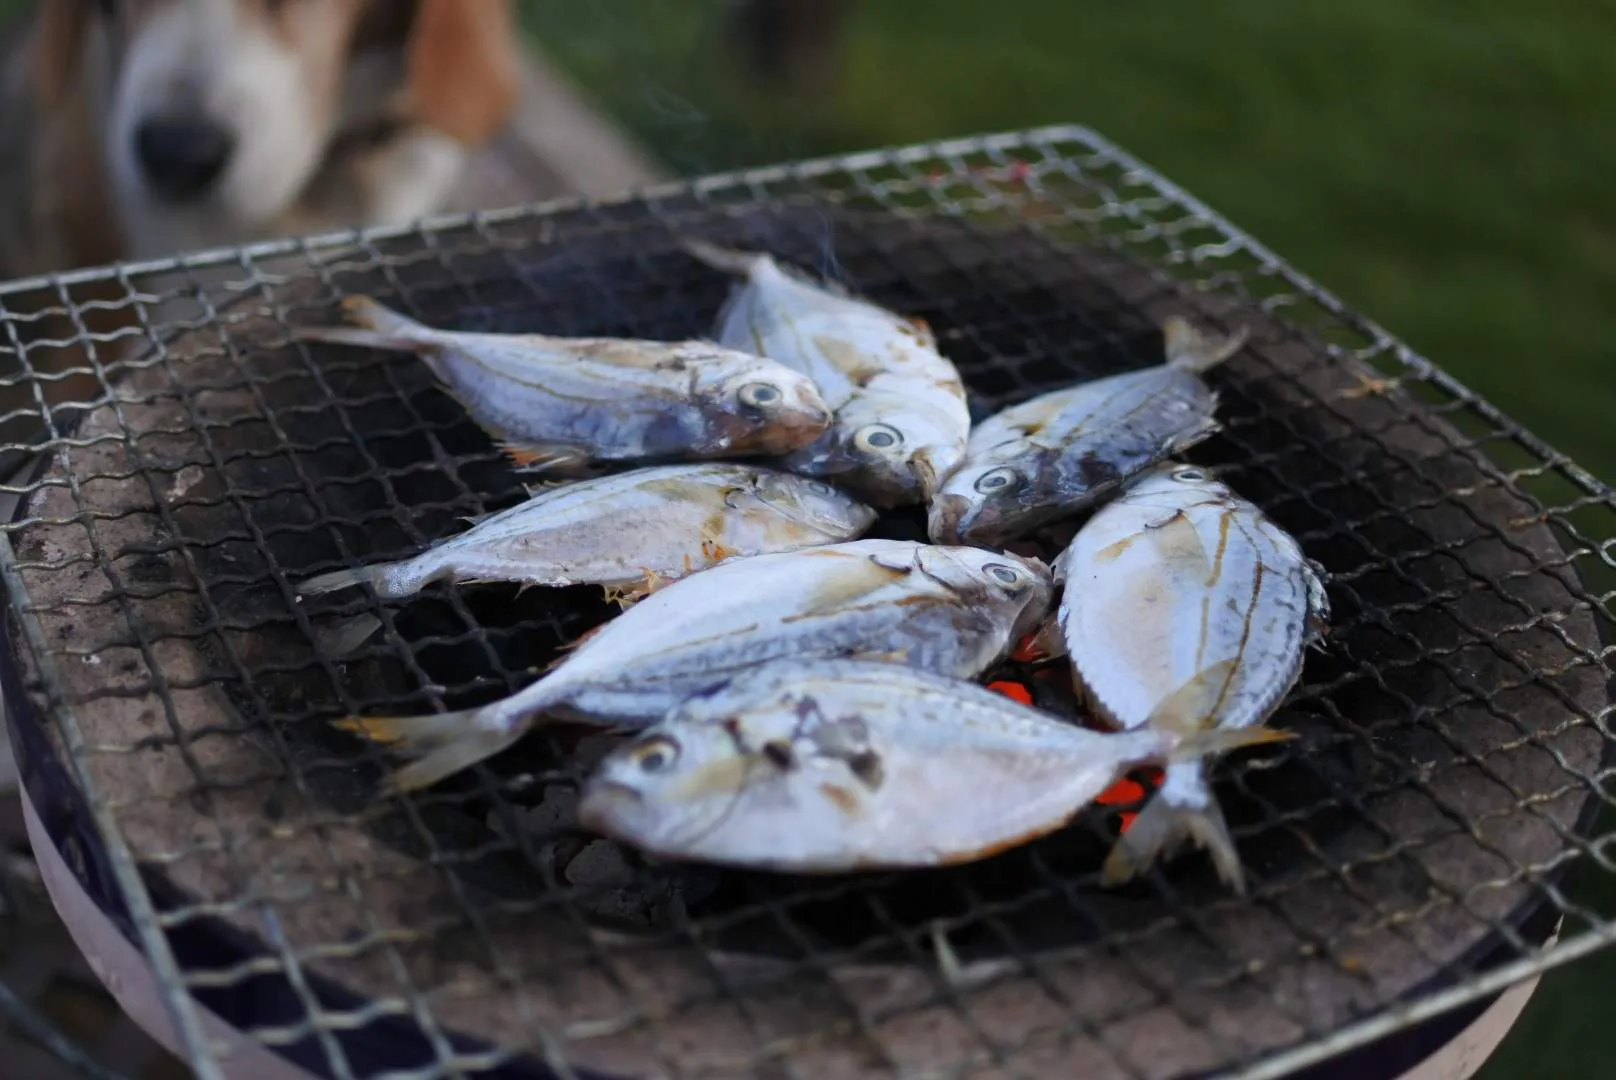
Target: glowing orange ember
1027	651
1125	791
1012	690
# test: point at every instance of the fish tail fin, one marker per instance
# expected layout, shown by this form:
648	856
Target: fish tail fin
729	260
442	744
372	314
1196	350
349	634
1183	810
377	577
350	335
447	760
376	326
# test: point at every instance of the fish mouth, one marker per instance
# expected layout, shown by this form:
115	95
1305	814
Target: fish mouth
607	806
924	474
887	483
946	517
798	429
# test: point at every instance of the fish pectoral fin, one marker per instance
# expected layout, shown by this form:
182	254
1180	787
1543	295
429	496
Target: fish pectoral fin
853	589
898	564
546	457
1045	643
1188	709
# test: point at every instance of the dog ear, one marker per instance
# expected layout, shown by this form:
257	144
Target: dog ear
54	48
464	66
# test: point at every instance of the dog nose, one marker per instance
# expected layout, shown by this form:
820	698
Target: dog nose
182	157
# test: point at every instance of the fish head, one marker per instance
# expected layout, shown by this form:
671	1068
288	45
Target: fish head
891	451
760	406
1016	590
720	785
1170	482
675	781
816	504
992	498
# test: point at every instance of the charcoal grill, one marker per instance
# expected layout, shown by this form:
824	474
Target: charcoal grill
170	695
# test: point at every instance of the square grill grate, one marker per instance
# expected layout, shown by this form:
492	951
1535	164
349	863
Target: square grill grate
170	696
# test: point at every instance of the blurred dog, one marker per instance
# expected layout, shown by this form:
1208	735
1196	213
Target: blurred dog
131	129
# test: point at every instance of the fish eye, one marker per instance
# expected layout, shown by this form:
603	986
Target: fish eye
877	437
759	395
1006	575
819	487
1190	475
656	754
1000	479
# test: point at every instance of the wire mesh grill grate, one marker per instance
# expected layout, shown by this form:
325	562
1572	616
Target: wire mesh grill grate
1408	851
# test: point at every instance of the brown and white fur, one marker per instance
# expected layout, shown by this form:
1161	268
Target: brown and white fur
135	129
132	129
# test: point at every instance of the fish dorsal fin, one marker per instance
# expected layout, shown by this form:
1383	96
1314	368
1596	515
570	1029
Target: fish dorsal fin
1190	708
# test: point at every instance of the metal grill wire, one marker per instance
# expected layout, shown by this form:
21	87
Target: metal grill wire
1064	186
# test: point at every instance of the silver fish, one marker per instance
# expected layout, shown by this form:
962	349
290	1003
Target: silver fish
566	404
842	765
946	609
1063	451
629	532
1185	608
901	418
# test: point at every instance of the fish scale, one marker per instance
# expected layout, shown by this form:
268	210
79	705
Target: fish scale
901	419
1062	452
837	765
571	404
1185	608
951	609
617	531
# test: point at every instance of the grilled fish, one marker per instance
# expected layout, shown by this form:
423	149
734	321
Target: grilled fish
567	404
1063	451
627	532
841	765
900	415
1185	608
951	610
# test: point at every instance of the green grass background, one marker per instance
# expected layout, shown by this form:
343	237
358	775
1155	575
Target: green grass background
1448	167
